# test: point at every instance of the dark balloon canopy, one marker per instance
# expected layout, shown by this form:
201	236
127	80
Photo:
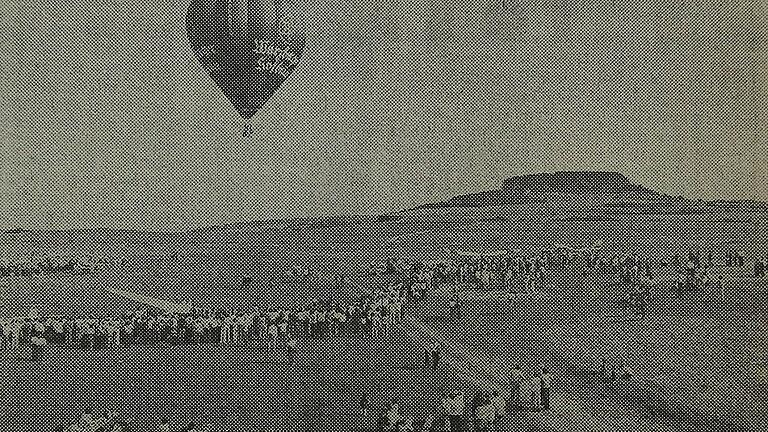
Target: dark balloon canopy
248	47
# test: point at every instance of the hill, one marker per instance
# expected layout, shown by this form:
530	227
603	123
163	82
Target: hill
539	187
604	189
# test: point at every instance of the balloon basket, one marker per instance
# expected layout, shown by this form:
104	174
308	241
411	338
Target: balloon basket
247	130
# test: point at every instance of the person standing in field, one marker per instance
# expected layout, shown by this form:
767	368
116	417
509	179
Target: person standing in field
484	415
515	381
164	425
679	285
69	332
499	405
313	315
234	332
302	322
375	319
415	291
398	310
364	406
272	337
291	345
453	304
244	328
215	326
603	375
86	420
282	329
435	355
58	331
546	385
262	326
392	417
226	329
90	333
640	302
536	393
342	315
365	323
386	321
321	322
128	332
456	412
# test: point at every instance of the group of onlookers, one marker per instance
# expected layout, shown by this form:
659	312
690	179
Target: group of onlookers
109	421
734	259
44	265
532	395
483	413
373	315
761	267
113	421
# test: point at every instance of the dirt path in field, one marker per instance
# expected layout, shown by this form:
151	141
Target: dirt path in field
569	413
485	374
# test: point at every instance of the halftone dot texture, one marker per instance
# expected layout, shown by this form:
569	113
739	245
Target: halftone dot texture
127	165
393	105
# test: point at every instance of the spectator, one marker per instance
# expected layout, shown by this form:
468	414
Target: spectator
291	346
164	425
515	381
499	405
546	384
536	392
435	351
364	406
484	415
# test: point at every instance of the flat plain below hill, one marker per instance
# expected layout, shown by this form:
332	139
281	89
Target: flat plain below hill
710	352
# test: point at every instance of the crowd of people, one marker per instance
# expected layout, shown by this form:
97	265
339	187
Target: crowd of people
108	421
453	411
484	412
52	264
113	421
373	314
761	267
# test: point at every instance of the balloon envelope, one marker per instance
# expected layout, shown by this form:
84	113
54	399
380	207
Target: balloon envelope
248	47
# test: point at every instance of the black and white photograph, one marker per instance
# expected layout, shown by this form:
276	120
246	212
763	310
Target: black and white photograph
384	216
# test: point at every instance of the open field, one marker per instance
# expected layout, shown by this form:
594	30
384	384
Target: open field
704	355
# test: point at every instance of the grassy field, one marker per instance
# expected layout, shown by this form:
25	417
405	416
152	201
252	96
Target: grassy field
704	356
697	358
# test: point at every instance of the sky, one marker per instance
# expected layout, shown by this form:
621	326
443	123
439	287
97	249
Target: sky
108	120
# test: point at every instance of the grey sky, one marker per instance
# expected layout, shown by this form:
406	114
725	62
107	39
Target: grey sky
107	120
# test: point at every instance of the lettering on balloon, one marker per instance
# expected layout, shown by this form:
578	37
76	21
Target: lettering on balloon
277	60
251	63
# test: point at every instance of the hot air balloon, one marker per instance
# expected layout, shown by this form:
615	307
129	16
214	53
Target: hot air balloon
248	47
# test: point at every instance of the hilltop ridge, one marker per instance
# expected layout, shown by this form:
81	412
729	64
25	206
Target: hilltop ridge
537	187
604	189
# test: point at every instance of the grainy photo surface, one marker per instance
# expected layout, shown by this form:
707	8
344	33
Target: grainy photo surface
400	216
